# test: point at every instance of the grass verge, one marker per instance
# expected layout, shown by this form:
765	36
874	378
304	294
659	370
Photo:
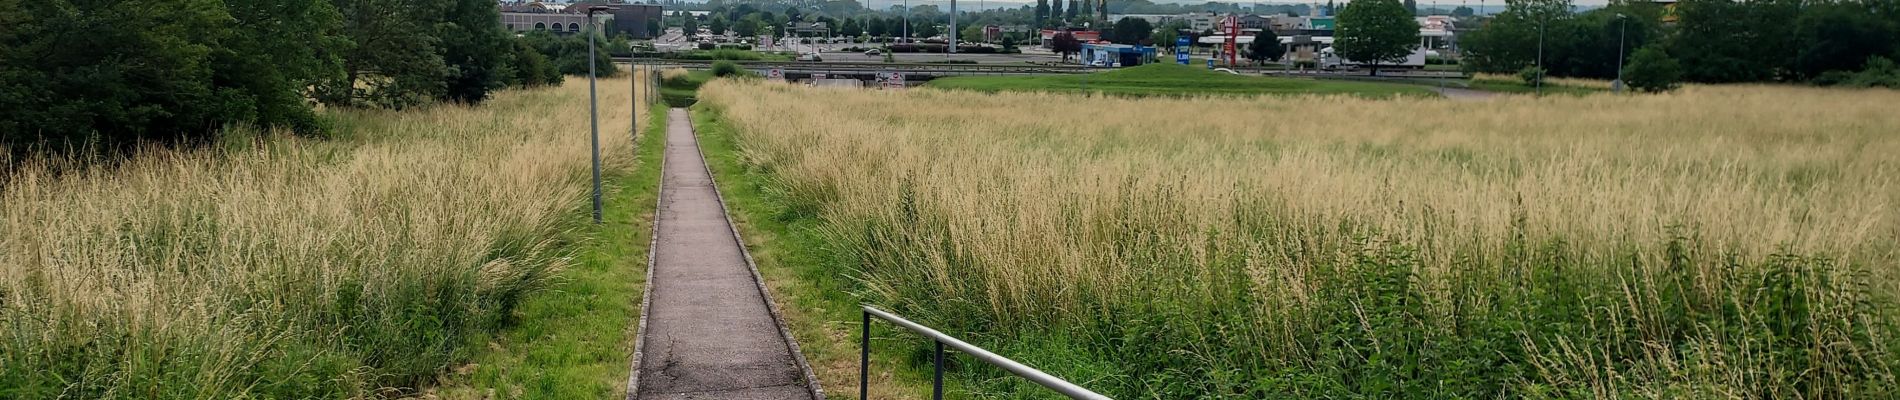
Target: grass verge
799	271
1175	80
575	341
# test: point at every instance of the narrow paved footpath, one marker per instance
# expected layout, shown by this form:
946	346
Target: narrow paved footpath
709	333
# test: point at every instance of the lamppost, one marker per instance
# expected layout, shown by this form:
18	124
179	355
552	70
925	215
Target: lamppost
1540	57
953	30
1622	32
593	106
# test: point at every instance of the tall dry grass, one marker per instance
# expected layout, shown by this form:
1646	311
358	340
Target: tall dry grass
1717	242
294	268
1585	83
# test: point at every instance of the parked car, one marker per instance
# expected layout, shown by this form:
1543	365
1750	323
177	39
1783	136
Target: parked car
873	52
813	57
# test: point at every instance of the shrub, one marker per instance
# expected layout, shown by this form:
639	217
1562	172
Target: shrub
1879	72
706	46
723	68
1651	70
1531	75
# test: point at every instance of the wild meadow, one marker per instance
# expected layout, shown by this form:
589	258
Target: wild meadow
354	266
1714	242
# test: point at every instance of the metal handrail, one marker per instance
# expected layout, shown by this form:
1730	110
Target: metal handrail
1032	374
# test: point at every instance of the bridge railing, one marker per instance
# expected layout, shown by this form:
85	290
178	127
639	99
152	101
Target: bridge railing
942	340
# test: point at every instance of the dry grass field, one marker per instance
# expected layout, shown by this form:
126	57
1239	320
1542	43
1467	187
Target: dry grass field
352	267
1716	242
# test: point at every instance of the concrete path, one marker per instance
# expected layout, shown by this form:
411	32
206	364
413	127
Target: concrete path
709	332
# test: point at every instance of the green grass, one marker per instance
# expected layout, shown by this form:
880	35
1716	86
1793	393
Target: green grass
682	92
806	279
1176	80
573	341
1504	87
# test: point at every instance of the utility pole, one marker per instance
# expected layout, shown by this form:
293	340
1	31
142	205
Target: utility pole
953	30
593	104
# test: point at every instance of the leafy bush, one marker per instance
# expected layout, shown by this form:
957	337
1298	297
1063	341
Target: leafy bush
706	46
723	68
1651	70
1531	75
1879	72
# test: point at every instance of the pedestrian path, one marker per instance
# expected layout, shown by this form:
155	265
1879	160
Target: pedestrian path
709	331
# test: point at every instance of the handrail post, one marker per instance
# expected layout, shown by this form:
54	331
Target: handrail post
864	359
936	389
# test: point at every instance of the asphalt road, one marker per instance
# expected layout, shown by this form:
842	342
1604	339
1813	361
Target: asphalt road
710	332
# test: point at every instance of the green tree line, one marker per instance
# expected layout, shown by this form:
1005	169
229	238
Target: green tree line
1708	41
98	76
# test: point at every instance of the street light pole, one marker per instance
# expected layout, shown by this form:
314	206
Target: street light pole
1622	32
953	29
593	104
1540	58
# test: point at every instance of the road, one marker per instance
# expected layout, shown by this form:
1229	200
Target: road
710	331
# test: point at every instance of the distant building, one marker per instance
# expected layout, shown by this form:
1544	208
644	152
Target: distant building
1153	19
629	19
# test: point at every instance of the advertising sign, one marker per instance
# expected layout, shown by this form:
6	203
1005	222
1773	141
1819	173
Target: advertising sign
1181	50
890	80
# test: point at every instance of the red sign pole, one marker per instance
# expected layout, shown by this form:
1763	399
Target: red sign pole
1233	35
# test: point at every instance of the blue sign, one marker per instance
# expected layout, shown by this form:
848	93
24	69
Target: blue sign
1181	50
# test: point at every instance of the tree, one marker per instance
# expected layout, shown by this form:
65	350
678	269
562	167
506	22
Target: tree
1073	6
1088	9
476	50
531	68
1168	34
1376	32
1265	47
1042	11
1462	12
653	27
927	29
1055	9
276	51
1841	37
1131	30
750	25
718	24
690	24
1411	6
109	75
1064	43
851	28
1725	41
1651	70
1330	11
971	33
874	26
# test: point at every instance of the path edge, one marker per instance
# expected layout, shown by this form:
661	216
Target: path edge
653	246
811	379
